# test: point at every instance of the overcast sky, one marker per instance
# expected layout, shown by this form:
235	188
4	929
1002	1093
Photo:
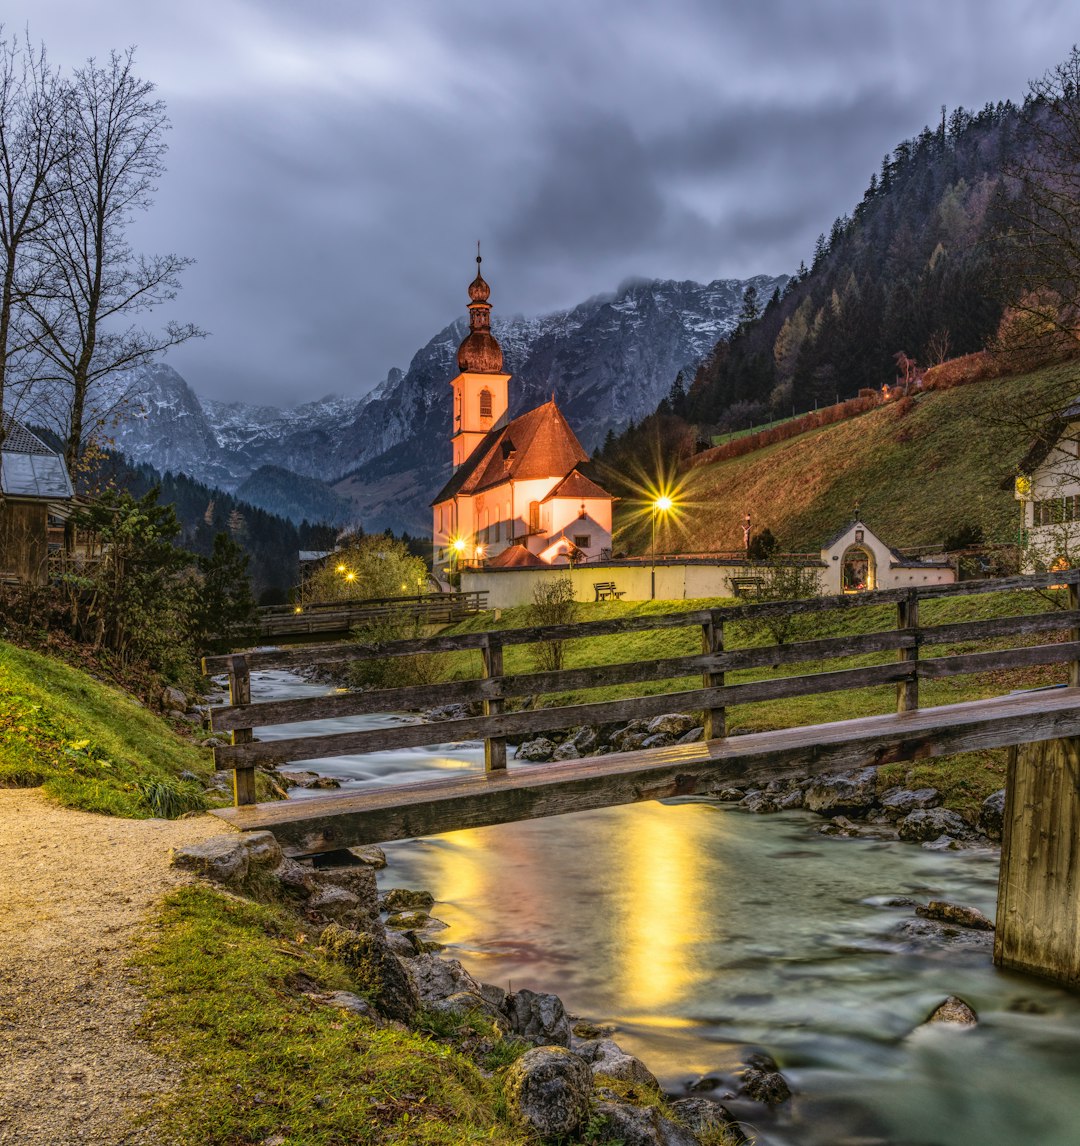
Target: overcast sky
332	164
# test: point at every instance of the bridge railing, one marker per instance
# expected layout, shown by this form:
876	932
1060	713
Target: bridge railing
339	616
496	687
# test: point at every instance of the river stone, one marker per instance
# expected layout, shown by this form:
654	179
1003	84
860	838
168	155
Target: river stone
566	751
347	1001
496	996
706	1116
850	793
224	859
408	920
642	1126
585	739
628	741
538	750
730	795
380	974
841	827
956	913
548	1090
290	779
371	855
929	823
541	1019
932	934
356	878
658	740
899	803
336	903
954	1011
794	799
404	944
673	723
760	802
610	1059
436	978
768	1086
992	815
693	735
174	698
404	898
295	876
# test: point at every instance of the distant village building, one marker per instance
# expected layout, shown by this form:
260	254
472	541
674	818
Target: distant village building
517	497
36	498
1048	489
856	560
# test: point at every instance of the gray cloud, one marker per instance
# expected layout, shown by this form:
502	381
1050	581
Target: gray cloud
332	165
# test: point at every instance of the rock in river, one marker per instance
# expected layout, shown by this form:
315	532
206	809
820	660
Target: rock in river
548	1090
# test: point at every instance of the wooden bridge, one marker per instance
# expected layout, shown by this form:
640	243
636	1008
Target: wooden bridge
1039	909
327	618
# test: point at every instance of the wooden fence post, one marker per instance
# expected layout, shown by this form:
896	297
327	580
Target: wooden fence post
712	641
907	617
494	746
240	693
1074	634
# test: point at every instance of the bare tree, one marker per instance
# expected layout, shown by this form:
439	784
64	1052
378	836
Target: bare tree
95	283
32	145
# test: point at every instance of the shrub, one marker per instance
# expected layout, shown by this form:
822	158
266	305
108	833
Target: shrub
393	672
553	604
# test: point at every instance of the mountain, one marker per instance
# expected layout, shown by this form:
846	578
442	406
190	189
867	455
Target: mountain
296	497
608	361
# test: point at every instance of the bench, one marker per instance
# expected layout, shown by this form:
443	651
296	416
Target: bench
606	591
746	586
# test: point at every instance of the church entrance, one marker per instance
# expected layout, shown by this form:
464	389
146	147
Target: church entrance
858	570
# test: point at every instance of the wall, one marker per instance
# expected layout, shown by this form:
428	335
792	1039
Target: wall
23	540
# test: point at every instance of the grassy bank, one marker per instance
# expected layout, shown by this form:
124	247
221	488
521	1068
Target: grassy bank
88	745
964	781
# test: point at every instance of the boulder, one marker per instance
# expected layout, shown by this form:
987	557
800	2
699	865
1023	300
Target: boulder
608	1058
693	735
793	799
760	802
548	1090
566	751
851	793
730	795
899	802
929	823
704	1116
371	855
262	849
174	699
585	739
408	920
470	1003
290	779
436	979
953	1011
295	876
629	740
324	782
842	827
641	1126
537	750
767	1086
956	913
378	971
336	903
223	859
356	878
992	815
404	898
658	740
347	1001
404	944
540	1019
933	935
673	723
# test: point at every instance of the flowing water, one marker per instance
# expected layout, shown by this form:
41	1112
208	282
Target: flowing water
700	931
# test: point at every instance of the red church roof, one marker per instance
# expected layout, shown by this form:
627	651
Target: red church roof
515	557
577	487
538	444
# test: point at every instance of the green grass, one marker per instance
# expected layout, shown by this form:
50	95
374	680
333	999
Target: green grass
89	745
919	470
224	979
964	780
732	435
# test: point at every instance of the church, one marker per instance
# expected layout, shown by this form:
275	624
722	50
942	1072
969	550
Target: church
517	496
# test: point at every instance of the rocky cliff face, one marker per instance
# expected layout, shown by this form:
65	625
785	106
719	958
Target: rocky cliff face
607	361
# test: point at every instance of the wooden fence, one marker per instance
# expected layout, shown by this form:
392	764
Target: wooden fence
494	688
340	616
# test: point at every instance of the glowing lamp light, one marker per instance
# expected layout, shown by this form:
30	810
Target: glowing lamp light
298	609
663	504
459	544
341	568
350	576
480	551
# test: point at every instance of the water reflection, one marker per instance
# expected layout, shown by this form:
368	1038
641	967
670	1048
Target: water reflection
699	930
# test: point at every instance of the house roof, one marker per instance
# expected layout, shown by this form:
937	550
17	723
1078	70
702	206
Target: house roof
29	468
576	486
515	557
535	445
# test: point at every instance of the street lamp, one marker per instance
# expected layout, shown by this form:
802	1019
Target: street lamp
662	504
457	548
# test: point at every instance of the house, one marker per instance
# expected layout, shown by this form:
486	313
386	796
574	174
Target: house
517	487
1048	489
36	498
857	560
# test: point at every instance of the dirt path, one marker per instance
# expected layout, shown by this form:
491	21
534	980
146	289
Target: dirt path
74	890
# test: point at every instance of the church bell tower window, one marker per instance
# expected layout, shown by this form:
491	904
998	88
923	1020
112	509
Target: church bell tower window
485	403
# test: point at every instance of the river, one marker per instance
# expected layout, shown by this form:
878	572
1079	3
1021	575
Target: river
700	931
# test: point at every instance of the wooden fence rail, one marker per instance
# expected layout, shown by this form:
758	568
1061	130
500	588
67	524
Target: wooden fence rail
714	696
323	617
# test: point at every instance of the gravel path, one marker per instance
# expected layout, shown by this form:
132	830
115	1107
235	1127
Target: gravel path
75	889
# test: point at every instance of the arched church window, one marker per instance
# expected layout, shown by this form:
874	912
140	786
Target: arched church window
485	403
534	517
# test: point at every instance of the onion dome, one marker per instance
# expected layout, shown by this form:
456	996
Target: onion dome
480	353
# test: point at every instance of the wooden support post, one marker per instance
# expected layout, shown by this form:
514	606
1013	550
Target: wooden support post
240	693
712	641
494	746
1074	634
1038	913
907	617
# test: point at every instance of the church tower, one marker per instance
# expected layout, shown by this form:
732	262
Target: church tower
480	390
